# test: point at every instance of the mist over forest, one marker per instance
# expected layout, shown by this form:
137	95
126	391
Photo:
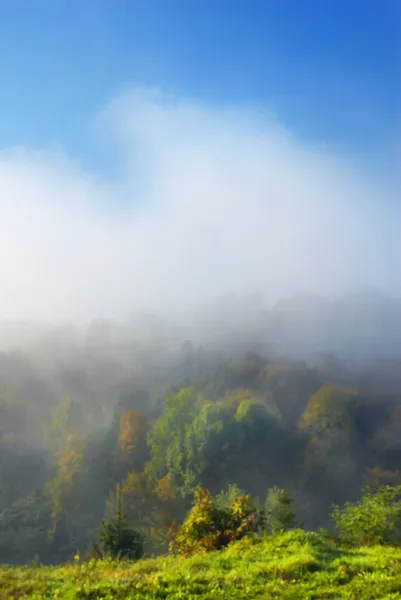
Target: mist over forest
138	360
304	394
200	300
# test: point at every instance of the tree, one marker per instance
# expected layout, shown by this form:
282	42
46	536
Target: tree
280	515
331	408
210	452
65	491
24	529
288	387
225	500
132	447
150	509
236	374
118	539
334	457
374	519
13	414
269	454
66	420
166	439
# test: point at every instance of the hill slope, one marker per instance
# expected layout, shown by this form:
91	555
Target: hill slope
294	565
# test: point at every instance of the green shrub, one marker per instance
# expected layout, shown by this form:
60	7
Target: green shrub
374	519
212	524
280	516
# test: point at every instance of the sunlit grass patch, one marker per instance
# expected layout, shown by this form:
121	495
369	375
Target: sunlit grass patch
292	566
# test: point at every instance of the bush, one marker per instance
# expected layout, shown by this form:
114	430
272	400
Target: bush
280	516
212	524
374	519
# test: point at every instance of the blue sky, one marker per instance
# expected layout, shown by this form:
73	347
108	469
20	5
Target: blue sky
266	159
328	68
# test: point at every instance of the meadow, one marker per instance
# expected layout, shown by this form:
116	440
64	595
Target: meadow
292	565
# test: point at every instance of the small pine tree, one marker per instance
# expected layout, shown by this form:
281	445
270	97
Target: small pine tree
117	538
280	516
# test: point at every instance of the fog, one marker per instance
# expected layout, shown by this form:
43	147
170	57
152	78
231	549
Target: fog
209	202
229	265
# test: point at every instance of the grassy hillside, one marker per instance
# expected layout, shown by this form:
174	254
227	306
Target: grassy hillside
293	565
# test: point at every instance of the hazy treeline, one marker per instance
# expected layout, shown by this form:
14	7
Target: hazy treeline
305	395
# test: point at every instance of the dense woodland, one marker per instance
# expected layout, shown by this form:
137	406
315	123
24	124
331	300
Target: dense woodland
304	397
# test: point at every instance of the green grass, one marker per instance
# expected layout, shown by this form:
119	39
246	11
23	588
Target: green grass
295	565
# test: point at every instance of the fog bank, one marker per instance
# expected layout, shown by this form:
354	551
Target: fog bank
211	201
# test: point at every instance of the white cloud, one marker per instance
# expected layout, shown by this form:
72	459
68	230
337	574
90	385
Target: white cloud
213	200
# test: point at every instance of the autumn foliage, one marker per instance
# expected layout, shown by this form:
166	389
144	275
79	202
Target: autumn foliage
212	527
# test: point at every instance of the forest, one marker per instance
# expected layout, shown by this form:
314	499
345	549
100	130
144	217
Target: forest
139	417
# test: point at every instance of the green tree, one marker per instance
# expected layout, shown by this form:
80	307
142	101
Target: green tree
118	539
151	509
374	519
334	458
288	387
225	500
65	491
24	528
167	437
280	514
268	454
331	408
212	443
